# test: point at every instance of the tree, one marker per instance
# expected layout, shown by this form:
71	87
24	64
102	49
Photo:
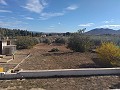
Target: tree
17	32
81	31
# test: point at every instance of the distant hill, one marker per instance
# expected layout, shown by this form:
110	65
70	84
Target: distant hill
101	31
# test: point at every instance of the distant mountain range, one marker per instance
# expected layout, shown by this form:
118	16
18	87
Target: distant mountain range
101	31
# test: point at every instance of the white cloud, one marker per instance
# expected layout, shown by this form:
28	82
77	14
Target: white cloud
5	11
29	18
44	2
106	21
3	2
51	27
72	7
35	5
2	24
45	16
11	23
52	14
110	26
5	24
86	25
110	21
42	18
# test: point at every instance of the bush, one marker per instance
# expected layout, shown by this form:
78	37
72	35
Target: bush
41	39
47	41
25	42
36	40
97	42
54	50
109	53
60	40
79	43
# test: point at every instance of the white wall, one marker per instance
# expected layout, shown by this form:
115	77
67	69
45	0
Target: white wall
4	43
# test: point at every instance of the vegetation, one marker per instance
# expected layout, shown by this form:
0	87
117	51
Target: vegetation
109	53
47	41
60	40
5	32
54	50
25	42
17	32
106	38
79	42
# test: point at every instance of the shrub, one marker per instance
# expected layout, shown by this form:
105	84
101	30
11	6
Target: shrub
109	53
79	43
25	42
41	39
54	50
36	40
97	42
47	41
60	40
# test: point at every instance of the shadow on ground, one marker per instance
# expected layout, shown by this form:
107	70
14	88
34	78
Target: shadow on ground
115	86
89	65
101	63
57	53
97	64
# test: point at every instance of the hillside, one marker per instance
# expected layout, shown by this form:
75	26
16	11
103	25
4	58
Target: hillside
101	31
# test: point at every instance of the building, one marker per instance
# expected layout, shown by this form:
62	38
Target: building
6	48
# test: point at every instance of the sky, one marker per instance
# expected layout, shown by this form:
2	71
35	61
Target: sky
59	15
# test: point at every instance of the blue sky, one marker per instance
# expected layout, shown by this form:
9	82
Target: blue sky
59	15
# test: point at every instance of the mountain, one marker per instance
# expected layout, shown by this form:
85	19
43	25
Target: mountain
101	31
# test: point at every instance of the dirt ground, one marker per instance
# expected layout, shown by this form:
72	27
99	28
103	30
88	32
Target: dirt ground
42	59
64	59
11	62
73	83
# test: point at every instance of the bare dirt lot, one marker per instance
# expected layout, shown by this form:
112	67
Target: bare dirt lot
64	59
9	63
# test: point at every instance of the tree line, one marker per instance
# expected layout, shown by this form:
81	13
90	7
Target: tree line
5	32
17	32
